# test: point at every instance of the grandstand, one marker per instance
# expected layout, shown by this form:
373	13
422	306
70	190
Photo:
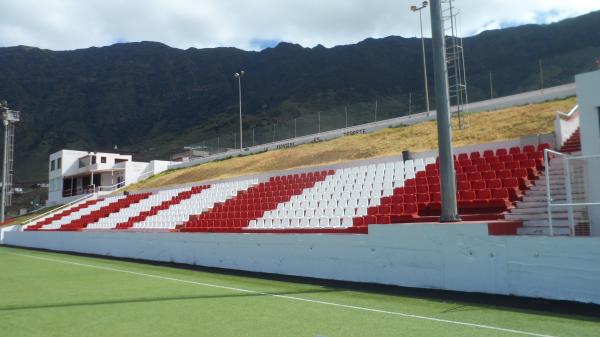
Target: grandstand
347	199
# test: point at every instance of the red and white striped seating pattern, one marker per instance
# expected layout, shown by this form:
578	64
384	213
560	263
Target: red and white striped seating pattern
346	200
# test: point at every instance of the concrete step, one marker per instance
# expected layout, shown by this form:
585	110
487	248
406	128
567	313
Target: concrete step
544	209
578	216
536	197
555	222
531	204
560	231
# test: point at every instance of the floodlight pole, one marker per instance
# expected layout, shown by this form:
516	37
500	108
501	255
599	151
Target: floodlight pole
9	118
239	78
418	9
4	171
447	174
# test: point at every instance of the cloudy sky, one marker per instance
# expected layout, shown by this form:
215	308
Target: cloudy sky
250	24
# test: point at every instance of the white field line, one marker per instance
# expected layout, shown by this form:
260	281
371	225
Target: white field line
293	298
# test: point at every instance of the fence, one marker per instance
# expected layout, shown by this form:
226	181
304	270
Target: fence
361	118
568	196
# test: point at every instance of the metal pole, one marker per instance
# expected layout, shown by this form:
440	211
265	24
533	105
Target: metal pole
569	196
548	195
410	103
447	174
218	143
240	93
252	136
4	172
346	111
491	87
274	132
295	134
424	63
319	120
376	108
541	74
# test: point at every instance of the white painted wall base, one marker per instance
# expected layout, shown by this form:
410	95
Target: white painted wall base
459	257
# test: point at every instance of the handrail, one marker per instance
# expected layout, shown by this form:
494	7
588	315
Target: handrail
109	188
569	193
122	184
570	113
56	209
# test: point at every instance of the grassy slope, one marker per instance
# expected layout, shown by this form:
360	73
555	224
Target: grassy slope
53	298
23	218
485	127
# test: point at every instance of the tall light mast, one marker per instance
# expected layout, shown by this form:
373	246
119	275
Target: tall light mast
9	119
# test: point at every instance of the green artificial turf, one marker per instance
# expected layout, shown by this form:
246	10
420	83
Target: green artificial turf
50	294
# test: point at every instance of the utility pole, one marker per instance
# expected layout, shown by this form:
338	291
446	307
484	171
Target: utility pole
376	105
218	144
274	131
252	136
447	174
295	134
9	119
239	78
491	87
346	111
541	74
319	120
410	103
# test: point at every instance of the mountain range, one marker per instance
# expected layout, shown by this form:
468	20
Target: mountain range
150	100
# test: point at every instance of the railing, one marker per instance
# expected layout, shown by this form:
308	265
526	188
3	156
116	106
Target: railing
568	114
109	188
38	217
121	184
564	128
575	182
535	96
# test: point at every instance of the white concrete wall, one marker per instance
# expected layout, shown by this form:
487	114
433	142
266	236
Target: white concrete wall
158	166
588	96
133	171
564	128
453	257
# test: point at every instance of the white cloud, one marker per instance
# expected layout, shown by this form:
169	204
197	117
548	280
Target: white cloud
70	24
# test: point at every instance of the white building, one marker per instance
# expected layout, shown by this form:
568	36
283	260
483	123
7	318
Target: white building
73	174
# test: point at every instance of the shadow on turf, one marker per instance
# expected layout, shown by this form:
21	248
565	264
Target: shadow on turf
157	299
464	301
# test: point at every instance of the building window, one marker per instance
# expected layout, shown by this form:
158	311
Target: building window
103	160
81	163
58	163
93	160
52	165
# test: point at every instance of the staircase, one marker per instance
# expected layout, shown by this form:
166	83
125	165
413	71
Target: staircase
532	211
573	144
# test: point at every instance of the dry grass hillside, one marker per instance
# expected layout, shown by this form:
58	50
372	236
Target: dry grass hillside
484	127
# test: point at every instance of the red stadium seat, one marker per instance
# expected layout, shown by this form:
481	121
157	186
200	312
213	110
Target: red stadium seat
514	150
488	153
